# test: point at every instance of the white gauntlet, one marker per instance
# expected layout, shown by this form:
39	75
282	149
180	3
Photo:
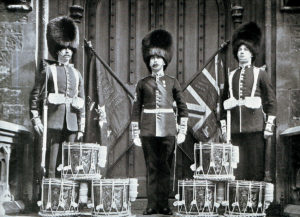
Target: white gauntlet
183	125
269	126
136	133
223	127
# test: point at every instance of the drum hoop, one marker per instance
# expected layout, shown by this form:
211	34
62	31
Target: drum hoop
56	181
58	213
110	182
238	214
82	145
216	146
207	214
195	182
254	184
88	176
121	214
229	177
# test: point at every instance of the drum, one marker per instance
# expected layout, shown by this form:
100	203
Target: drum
215	161
82	161
59	197
196	198
248	198
111	197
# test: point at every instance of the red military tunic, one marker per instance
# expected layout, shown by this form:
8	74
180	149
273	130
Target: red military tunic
153	106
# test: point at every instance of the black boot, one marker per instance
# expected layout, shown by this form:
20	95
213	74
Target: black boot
149	211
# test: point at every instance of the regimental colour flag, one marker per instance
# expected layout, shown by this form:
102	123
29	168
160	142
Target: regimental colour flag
109	106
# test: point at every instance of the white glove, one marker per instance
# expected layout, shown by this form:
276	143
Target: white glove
180	138
136	134
182	130
269	127
79	135
230	103
38	126
137	142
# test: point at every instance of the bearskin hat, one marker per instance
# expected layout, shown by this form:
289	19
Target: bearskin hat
248	34
62	32
160	43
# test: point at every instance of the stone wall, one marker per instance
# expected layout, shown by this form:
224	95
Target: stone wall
287	88
17	63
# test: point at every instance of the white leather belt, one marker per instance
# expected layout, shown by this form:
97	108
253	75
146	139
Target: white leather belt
240	102
68	100
155	111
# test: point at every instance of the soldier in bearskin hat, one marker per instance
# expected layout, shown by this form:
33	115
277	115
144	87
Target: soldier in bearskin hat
154	121
65	91
252	103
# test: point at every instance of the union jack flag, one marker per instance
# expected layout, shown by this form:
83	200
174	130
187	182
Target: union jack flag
203	96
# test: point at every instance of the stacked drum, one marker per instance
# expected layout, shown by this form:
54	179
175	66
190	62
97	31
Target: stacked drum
214	186
81	191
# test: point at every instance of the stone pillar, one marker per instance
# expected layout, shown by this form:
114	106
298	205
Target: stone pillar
13	139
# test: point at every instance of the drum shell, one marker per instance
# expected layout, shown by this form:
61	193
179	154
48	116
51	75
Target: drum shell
85	154
107	190
243	192
68	188
216	160
203	190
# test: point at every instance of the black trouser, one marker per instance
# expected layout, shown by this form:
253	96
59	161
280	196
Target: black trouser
55	138
158	152
53	156
252	156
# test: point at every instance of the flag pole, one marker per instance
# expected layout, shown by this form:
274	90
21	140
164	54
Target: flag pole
89	45
228	121
223	45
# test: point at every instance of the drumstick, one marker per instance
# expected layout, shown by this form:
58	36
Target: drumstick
175	161
268	151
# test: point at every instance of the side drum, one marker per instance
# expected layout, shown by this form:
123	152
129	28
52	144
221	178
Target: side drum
196	198
59	197
82	161
248	198
215	161
111	197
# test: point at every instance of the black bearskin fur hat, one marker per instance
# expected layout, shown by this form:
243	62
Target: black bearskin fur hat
62	32
248	34
160	43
